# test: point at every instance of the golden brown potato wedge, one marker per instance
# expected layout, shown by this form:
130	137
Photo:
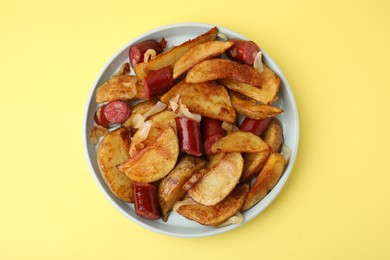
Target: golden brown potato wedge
249	108
267	179
273	136
206	99
268	92
199	53
221	69
140	108
219	181
121	87
112	150
160	122
155	161
239	141
170	57
171	189
219	213
252	164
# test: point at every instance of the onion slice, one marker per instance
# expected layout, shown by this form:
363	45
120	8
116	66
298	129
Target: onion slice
174	103
158	107
222	36
183	111
286	152
138	121
149	54
142	132
258	63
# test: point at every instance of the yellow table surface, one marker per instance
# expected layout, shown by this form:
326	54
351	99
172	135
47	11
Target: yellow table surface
336	57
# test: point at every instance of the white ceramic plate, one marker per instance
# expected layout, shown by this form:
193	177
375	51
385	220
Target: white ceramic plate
177	225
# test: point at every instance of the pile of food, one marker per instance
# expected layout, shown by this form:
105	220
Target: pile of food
191	129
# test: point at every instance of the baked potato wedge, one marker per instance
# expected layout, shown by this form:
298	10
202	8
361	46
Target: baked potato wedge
221	69
239	141
266	94
267	179
250	108
170	57
253	163
155	161
206	99
160	122
114	149
219	213
121	87
218	181
170	189
273	136
194	179
211	161
199	53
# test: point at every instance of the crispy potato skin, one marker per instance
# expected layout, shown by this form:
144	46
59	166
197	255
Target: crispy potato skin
273	136
239	141
112	150
121	87
165	152
170	57
266	94
199	53
171	189
221	69
219	213
218	181
249	108
206	99
267	179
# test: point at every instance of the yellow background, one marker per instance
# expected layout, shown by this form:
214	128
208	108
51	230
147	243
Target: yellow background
336	57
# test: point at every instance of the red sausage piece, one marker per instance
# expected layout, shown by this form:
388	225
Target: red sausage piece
145	200
211	132
158	82
190	139
136	52
116	111
244	51
256	127
100	119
